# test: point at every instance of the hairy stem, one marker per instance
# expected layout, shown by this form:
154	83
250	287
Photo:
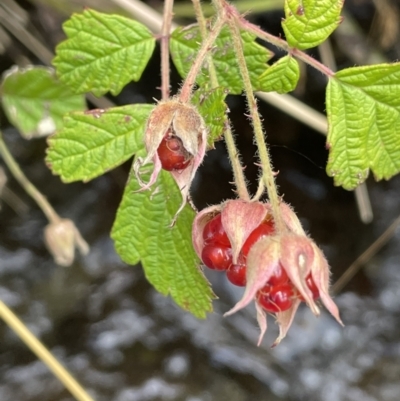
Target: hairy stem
233	153
267	172
30	189
203	31
219	6
165	33
190	81
237	168
282	44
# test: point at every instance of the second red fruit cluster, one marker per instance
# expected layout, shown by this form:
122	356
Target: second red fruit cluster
278	293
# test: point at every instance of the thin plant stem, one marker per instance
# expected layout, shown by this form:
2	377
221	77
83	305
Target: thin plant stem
282	44
29	188
237	168
184	9
219	6
260	191
142	12
369	253
267	171
14	202
190	81
165	35
203	31
43	353
233	153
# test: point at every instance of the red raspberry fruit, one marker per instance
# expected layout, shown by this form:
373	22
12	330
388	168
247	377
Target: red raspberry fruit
236	274
313	288
217	257
311	285
276	299
214	232
172	154
263	230
279	277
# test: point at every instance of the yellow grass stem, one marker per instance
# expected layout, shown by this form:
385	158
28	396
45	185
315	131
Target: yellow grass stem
43	353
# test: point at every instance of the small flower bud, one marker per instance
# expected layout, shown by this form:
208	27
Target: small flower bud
61	238
175	140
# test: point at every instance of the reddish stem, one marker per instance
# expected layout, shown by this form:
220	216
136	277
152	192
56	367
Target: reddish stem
165	32
282	44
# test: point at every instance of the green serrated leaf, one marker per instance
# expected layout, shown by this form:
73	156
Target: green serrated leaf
363	106
96	141
185	43
142	231
308	23
103	52
35	101
212	107
281	77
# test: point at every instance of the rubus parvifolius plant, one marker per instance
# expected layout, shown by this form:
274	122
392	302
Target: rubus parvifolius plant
259	245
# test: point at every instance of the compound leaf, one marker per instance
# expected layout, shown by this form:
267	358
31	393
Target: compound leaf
212	107
363	106
35	101
93	142
185	43
281	77
308	23
103	52
142	232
